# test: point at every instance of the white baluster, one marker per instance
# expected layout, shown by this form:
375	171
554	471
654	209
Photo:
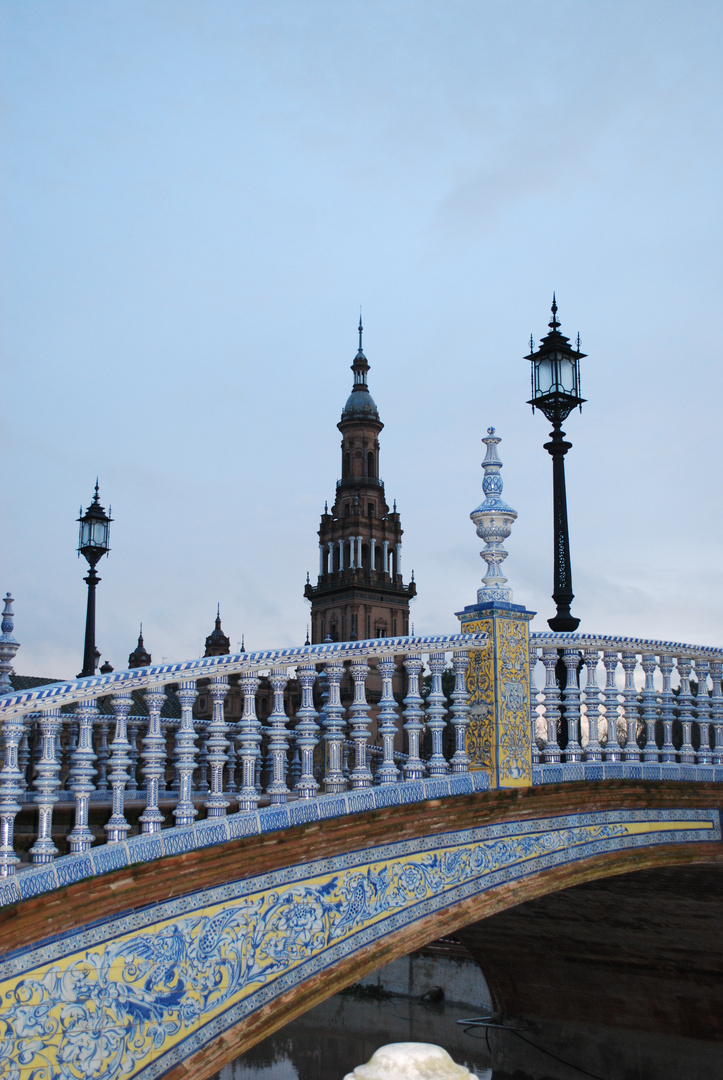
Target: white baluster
573	750
650	709
216	804
132	789
552	706
388	773
593	750
154	761
460	711
414	766
24	753
185	812
82	772
47	782
703	705
249	742
361	776
102	785
232	732
630	706
716	706
436	719
117	827
685	711
613	750
202	783
666	715
307	732
334	731
13	731
277	790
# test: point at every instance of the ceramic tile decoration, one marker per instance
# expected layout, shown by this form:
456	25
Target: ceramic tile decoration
160	983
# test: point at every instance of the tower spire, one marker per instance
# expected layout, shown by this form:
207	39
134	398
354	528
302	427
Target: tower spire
361	329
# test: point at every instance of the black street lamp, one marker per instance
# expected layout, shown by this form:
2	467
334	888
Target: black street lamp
556	392
93	544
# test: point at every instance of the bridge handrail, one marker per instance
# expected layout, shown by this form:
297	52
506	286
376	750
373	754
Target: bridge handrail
649	646
48	753
78	690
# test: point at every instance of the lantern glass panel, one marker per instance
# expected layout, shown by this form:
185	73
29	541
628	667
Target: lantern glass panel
543	370
566	376
100	534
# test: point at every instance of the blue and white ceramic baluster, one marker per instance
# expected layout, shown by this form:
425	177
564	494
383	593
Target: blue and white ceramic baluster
716	710
436	716
295	764
593	750
534	704
334	781
277	789
666	713
388	718
249	736
216	804
47	782
132	788
703	705
650	709
552	707
102	785
630	708
117	827
202	782
685	711
185	812
573	750
232	732
12	729
154	761
361	776
24	753
460	711
307	732
613	750
82	771
413	766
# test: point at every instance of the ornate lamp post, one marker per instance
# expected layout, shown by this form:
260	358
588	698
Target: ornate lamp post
93	544
556	392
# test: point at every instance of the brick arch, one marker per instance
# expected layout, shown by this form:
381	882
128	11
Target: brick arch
309	910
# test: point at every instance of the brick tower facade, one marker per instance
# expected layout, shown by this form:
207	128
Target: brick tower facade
360	592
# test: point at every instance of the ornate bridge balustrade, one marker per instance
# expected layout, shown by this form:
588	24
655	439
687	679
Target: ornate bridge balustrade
216	768
631	708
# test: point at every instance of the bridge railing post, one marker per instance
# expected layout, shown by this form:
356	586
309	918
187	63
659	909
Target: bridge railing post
498	681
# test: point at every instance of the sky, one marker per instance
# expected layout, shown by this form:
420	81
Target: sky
197	197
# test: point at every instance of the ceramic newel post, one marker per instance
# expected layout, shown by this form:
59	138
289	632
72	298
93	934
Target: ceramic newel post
498	677
494	520
8	646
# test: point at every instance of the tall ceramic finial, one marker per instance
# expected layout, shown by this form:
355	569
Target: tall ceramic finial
307	642
553	323
494	520
8	646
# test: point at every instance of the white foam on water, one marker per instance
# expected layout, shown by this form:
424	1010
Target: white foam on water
410	1061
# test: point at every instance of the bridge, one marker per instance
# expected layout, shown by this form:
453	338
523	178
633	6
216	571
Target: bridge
169	899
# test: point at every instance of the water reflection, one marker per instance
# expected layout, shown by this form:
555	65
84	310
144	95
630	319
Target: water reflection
343	1032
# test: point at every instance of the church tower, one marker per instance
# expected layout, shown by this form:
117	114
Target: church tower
360	592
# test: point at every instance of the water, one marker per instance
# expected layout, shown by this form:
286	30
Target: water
343	1032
